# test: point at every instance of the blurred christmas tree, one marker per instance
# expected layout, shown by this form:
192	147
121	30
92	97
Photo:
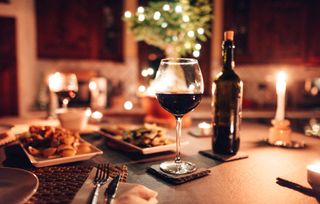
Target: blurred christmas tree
175	26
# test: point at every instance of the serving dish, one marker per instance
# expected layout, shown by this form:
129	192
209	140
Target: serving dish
43	162
125	146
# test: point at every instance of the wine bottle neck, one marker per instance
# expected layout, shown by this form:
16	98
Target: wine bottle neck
228	55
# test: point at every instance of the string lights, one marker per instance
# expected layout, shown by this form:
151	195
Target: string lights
168	24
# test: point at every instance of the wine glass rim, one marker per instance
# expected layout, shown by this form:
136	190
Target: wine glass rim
176	61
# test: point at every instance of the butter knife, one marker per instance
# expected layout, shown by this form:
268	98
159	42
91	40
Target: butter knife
111	191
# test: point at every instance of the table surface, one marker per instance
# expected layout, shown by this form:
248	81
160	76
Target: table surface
251	180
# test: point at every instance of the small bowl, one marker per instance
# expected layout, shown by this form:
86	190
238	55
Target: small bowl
313	175
73	118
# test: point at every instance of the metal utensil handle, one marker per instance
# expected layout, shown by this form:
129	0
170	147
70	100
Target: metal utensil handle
96	194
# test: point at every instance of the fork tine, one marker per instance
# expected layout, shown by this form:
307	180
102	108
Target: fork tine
108	170
104	172
98	173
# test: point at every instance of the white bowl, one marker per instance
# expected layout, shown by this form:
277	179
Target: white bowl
73	118
313	175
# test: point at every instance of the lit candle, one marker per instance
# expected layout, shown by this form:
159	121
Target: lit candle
281	91
205	128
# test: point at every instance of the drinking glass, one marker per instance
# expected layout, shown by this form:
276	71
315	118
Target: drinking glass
65	85
179	89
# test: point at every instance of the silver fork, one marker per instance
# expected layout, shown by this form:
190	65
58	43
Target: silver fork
100	178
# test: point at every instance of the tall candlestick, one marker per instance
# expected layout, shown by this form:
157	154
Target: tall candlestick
281	91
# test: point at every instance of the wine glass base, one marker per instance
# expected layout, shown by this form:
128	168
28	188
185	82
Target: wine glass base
180	168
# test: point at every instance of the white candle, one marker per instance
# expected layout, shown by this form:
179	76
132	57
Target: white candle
205	128
281	91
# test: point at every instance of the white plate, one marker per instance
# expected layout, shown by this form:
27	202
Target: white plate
126	146
42	162
17	185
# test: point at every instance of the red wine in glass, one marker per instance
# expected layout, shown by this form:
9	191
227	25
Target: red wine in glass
179	103
179	89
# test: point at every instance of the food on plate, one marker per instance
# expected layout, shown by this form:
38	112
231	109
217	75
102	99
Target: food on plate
47	141
148	135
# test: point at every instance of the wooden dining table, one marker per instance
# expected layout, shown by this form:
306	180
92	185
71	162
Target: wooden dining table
249	180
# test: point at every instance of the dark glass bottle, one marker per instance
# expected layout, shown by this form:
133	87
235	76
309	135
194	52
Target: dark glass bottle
227	103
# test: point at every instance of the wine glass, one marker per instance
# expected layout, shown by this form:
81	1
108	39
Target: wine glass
65	85
179	89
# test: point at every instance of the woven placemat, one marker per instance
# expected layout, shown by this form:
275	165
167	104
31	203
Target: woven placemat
60	184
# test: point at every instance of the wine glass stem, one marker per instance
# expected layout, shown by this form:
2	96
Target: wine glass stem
178	135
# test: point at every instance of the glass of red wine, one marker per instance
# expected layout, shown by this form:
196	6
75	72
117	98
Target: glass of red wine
65	85
179	89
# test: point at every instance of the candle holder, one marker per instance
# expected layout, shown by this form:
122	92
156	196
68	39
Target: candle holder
280	135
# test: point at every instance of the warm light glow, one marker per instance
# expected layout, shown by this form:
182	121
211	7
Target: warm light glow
150	71
156	15
144	72
166	7
197	46
92	85
187	45
204	125
174	38
127	14
128	105
164	25
178	9
200	31
192	87
196	53
141	88
185	18
140	9
96	115
191	34
281	82
141	17
88	112
55	82
314	167
205	128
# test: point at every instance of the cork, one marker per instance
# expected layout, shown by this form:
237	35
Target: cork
228	35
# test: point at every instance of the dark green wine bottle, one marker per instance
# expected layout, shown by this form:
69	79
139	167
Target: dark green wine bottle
227	103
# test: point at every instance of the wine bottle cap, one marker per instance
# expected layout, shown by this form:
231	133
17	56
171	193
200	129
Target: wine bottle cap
228	35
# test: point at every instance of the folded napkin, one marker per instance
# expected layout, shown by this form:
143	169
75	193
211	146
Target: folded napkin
126	193
177	179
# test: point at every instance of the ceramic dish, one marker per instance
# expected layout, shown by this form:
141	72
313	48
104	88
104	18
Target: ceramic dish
128	147
42	161
17	185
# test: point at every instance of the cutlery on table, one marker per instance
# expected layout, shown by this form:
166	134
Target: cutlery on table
111	191
100	178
